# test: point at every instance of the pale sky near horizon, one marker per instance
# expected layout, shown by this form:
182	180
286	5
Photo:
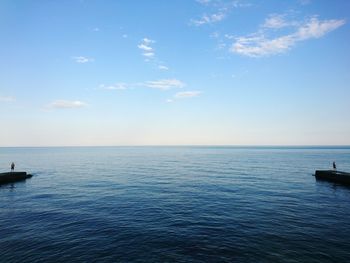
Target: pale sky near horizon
185	72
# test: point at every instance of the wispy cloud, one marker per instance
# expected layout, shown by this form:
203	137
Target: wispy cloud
221	11
144	47
147	48
164	84
184	95
209	19
117	86
148	41
7	99
148	51
81	59
66	104
149	54
316	29
259	44
276	21
162	67
161	84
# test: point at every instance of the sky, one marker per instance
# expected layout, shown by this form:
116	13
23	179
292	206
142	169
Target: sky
184	72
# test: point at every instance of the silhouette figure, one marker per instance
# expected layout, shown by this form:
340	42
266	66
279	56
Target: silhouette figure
334	166
12	166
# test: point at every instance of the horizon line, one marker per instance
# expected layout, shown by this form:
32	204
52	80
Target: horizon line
185	145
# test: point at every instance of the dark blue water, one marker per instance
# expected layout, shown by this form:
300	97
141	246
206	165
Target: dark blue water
174	204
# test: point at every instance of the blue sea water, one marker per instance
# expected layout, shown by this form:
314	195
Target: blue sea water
174	204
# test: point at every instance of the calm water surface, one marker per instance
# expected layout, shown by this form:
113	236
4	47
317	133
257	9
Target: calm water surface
174	204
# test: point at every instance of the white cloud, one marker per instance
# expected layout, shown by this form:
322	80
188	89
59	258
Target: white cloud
256	46
81	59
259	44
275	21
148	41
148	54
186	94
183	95
221	11
147	49
209	19
96	29
117	86
66	104
124	36
164	84
316	29
162	67
7	99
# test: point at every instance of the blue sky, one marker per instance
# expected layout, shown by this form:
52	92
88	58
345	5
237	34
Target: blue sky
205	72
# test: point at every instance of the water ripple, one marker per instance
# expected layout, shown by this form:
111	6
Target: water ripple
174	204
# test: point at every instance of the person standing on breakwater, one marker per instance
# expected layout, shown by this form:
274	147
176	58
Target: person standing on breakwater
334	166
12	166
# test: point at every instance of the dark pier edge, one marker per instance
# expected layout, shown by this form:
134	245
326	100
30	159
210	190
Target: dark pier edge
333	176
11	177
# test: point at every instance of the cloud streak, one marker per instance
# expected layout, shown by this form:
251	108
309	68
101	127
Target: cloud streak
66	104
147	48
222	10
184	95
117	86
164	84
161	84
162	67
209	19
259	44
276	21
82	60
148	51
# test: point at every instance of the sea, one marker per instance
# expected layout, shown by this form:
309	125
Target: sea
174	204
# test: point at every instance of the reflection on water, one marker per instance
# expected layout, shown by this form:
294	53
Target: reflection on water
174	204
